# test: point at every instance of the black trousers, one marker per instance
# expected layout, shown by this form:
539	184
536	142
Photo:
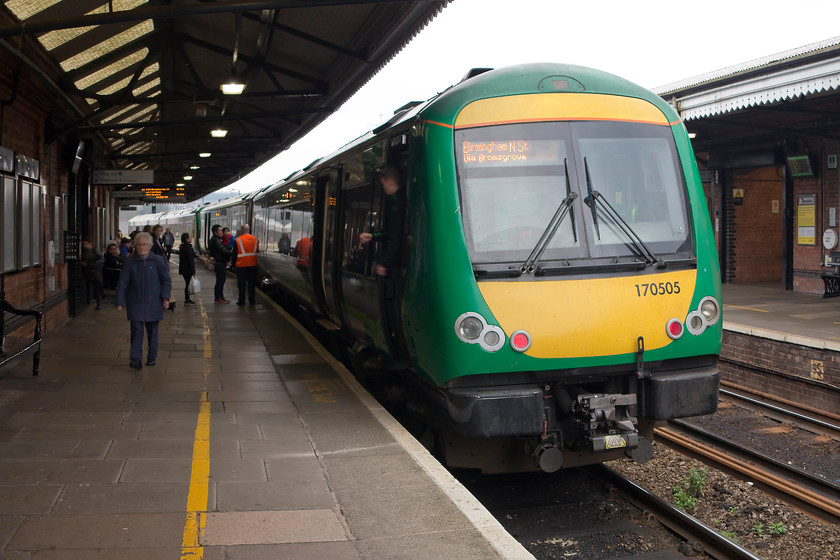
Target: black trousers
187	286
221	274
247	277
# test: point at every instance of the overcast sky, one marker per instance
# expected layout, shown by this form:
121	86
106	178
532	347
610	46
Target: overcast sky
650	43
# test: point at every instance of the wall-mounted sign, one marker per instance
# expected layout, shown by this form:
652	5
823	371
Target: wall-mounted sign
806	219
738	197
7	160
829	239
28	167
123	176
72	246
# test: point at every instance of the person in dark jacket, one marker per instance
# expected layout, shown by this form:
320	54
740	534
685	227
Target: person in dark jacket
220	255
390	236
157	242
144	290
92	270
112	267
186	265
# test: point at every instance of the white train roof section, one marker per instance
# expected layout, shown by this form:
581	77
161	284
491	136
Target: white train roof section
794	73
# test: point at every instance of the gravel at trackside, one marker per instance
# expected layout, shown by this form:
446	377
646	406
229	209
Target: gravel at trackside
737	508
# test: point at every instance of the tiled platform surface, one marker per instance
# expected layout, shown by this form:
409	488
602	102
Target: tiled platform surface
768	311
100	461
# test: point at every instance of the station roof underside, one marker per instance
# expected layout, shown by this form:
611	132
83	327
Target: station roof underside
142	78
776	102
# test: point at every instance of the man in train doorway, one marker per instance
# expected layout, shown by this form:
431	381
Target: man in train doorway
390	235
220	255
245	260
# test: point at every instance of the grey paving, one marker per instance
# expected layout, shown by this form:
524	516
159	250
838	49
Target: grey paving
768	311
96	459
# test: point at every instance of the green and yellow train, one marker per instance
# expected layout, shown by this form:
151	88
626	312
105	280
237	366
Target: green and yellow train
557	289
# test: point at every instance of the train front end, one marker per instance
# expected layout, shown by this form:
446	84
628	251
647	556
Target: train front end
565	248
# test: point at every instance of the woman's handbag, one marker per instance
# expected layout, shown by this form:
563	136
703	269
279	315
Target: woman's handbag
195	285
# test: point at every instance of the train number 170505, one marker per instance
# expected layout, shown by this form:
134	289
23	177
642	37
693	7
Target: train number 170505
660	289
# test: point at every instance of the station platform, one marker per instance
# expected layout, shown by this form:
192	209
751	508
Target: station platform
769	311
246	440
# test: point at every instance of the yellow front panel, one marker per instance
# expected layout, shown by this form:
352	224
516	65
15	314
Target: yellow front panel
558	107
597	317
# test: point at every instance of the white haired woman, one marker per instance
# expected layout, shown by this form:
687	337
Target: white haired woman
144	289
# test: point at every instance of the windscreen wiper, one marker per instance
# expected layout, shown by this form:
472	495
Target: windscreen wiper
550	230
594	198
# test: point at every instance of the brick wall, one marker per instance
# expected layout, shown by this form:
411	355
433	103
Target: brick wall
758	247
805	376
23	129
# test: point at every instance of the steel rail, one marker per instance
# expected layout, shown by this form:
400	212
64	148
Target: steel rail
782	410
712	542
790	488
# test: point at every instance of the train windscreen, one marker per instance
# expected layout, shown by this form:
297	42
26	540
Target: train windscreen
576	190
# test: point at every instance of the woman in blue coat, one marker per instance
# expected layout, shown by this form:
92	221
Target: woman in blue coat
144	290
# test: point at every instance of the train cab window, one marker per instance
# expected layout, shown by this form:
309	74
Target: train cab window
517	181
513	179
636	170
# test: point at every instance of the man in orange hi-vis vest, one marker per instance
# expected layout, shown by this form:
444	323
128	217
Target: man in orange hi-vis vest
245	260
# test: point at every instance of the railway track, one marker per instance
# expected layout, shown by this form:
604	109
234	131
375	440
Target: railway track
595	512
805	419
808	492
698	537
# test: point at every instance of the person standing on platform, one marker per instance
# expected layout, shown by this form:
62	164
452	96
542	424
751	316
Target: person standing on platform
168	241
186	265
157	242
144	290
220	255
92	270
245	260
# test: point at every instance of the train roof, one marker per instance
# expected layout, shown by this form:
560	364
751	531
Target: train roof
231	201
536	78
479	83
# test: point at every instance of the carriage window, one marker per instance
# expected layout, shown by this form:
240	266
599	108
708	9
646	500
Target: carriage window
357	220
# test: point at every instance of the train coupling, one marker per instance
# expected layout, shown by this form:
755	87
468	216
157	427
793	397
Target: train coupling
607	422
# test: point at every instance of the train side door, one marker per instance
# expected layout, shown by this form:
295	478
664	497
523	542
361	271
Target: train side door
391	287
327	294
356	282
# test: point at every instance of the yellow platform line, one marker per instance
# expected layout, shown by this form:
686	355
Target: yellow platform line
747	308
191	548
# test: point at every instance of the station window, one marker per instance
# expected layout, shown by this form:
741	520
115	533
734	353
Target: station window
21	224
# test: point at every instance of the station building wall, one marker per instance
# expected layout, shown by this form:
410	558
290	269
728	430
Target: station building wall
809	258
28	115
750	229
758	226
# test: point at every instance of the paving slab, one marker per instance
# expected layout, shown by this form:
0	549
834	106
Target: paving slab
245	424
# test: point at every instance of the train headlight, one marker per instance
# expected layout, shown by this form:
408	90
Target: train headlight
706	315
695	323
469	328
473	329
710	310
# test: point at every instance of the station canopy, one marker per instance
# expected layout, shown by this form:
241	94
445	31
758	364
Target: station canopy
143	78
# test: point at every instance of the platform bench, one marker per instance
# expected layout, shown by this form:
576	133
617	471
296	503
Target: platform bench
12	346
832	285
